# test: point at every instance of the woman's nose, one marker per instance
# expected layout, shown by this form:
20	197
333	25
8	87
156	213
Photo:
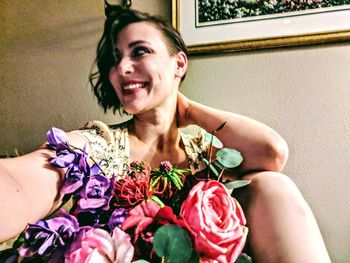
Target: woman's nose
125	66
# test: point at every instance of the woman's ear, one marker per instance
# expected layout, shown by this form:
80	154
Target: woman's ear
181	64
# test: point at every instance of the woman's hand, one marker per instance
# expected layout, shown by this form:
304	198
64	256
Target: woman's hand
182	116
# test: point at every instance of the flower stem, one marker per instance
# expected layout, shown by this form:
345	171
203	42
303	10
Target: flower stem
92	159
221	172
157	200
209	153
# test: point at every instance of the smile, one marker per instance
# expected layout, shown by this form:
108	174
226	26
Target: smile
133	86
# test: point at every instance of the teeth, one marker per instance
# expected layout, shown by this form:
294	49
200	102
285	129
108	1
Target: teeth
134	86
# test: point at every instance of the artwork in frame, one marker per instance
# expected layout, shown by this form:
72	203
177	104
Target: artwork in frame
212	26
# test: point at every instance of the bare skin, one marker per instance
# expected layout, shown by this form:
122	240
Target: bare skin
146	80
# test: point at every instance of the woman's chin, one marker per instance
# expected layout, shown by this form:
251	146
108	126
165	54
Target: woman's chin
132	110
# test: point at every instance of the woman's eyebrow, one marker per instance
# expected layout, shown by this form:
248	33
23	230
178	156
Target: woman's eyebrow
134	43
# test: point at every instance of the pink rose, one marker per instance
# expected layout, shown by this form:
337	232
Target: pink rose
215	221
97	245
124	248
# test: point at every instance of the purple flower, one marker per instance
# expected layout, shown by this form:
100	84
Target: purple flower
78	169
46	236
73	180
165	166
117	218
83	164
65	156
56	136
95	194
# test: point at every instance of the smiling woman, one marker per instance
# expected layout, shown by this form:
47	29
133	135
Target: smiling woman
110	171
144	69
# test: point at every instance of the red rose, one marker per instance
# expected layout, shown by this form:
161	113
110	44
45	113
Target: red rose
140	218
145	218
215	221
141	223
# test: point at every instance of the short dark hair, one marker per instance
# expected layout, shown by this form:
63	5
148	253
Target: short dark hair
118	17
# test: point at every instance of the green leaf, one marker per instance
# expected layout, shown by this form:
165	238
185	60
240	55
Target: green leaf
237	184
230	158
216	142
205	161
211	167
195	258
219	165
19	241
220	127
244	258
155	182
213	170
176	180
181	171
173	243
157	200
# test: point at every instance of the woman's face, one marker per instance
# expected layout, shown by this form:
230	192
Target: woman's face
144	76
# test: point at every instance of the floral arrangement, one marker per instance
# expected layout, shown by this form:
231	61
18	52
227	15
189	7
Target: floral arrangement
144	215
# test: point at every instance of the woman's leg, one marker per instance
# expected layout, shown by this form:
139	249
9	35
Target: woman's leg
281	225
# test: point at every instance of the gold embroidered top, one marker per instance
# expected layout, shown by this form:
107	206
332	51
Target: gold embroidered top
110	146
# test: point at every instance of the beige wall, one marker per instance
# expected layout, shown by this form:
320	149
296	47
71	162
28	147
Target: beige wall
304	93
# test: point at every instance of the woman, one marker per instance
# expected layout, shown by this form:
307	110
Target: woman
141	62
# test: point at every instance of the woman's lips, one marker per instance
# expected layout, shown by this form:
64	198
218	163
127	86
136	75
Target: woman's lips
132	87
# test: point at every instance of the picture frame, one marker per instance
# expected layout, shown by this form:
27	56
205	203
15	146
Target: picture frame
296	29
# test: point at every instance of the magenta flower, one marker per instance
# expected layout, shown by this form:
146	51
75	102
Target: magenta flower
165	166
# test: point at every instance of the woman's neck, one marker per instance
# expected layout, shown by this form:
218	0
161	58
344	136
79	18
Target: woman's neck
154	135
156	128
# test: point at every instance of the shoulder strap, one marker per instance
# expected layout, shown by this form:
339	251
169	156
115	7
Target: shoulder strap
196	148
110	147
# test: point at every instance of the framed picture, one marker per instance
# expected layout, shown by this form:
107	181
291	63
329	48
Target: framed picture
212	26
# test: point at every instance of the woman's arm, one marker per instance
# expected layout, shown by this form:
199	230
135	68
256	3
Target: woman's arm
262	148
29	189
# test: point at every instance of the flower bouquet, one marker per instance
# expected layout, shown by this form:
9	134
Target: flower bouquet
144	215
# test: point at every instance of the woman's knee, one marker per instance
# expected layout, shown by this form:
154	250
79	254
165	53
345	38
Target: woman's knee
272	189
278	216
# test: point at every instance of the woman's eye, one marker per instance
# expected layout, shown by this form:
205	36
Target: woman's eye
139	51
